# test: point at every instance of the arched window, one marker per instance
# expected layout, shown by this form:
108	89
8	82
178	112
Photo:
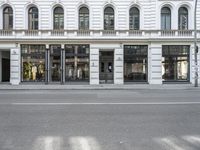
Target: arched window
33	18
134	18
83	18
58	18
182	18
7	18
109	19
165	18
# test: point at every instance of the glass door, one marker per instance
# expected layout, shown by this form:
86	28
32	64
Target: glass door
106	66
55	63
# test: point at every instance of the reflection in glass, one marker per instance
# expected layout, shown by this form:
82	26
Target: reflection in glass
135	63
77	62
7	18
109	21
33	62
175	63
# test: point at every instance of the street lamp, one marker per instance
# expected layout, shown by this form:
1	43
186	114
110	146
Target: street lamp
195	45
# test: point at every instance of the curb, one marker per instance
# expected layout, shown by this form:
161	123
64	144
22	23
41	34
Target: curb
99	87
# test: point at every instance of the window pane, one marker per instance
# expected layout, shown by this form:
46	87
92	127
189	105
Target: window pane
134	18
175	63
183	18
109	19
84	18
165	18
135	63
7	18
58	18
33	18
77	62
33	62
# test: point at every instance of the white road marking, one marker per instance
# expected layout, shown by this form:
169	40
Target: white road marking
48	143
83	143
150	103
171	144
193	139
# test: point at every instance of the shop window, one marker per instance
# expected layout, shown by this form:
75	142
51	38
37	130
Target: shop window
33	63
7	18
175	63
135	63
77	62
83	18
134	18
109	20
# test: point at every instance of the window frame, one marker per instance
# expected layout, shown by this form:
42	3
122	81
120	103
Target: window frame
133	26
166	15
180	17
9	14
110	16
60	17
85	16
32	20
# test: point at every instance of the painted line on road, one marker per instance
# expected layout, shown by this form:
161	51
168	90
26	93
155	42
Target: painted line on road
153	103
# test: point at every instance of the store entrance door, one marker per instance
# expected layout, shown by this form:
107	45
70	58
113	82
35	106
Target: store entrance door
5	66
55	63
106	65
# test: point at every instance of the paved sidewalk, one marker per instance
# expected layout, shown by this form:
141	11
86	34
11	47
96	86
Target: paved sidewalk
97	87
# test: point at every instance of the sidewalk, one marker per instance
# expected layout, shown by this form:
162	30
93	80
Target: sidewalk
98	87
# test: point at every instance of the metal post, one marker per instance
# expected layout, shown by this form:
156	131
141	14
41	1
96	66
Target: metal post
47	66
195	45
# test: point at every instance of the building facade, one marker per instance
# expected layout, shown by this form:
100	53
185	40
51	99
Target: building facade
98	42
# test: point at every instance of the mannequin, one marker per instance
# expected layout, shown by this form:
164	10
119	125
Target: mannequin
34	72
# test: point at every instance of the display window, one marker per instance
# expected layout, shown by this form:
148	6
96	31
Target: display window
33	63
175	63
135	63
77	62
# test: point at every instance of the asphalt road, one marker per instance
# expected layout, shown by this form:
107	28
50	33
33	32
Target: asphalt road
100	120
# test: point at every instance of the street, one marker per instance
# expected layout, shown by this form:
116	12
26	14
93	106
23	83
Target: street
100	119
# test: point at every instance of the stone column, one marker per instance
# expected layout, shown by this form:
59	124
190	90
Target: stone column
155	63
15	66
118	66
94	66
0	66
192	65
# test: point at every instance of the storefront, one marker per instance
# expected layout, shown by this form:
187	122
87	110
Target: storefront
38	64
175	63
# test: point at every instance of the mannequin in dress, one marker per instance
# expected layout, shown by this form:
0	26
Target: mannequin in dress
34	72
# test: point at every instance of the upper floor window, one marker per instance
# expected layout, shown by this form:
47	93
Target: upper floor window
182	18
58	18
134	18
165	18
83	18
33	18
7	18
109	19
